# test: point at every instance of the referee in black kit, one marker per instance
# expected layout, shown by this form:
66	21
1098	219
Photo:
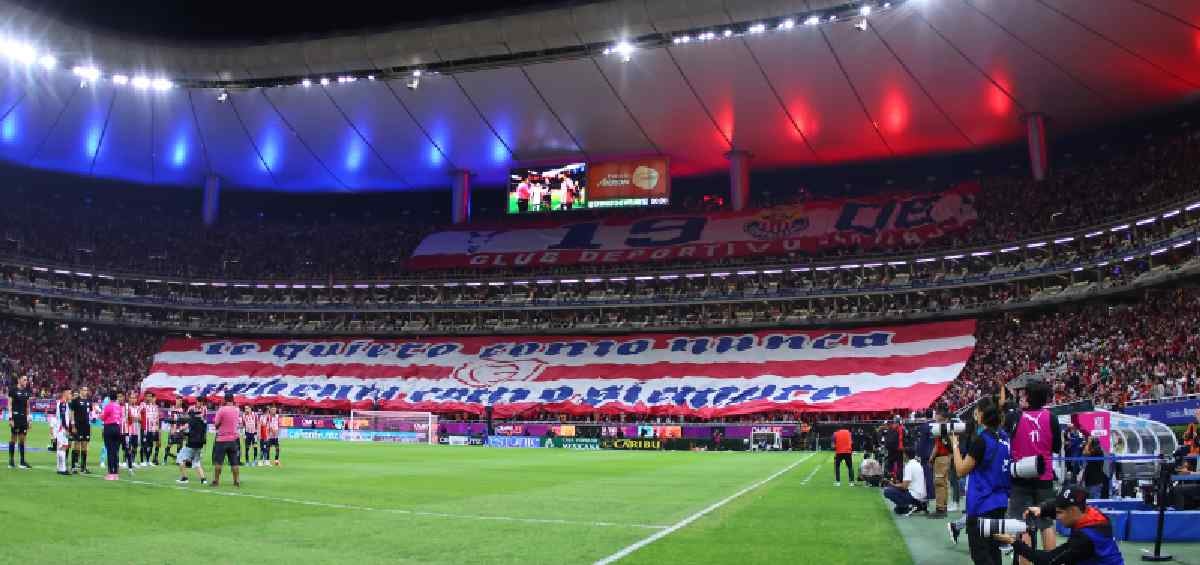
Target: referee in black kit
18	418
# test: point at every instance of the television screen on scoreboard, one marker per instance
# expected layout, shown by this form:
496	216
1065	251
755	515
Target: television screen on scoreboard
547	189
574	186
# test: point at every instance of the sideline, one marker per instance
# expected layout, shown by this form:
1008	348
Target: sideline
688	520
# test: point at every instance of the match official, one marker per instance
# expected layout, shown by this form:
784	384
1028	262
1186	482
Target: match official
226	445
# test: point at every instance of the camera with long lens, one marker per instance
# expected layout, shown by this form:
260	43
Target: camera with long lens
989	527
947	428
1030	467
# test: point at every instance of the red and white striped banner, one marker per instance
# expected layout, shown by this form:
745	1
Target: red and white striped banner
850	370
888	220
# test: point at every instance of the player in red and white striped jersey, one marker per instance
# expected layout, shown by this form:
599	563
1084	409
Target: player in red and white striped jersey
131	428
151	430
250	434
269	434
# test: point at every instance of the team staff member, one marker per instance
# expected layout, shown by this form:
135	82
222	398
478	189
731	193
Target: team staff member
18	418
939	461
843	448
986	469
1091	541
196	430
226	445
80	430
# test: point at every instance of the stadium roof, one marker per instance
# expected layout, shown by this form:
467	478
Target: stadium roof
921	77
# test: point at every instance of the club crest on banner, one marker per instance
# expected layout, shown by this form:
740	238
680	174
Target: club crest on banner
489	373
476	240
776	223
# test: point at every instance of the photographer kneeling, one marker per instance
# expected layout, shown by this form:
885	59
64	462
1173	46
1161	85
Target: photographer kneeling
1091	540
986	469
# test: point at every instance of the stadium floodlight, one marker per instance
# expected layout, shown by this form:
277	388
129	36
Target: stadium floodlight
695	275
773	272
40	269
727	33
722	274
864	11
823	269
1062	240
832	17
801	270
787	24
161	84
618	279
84	275
48	61
1121	227
981	253
812	21
757	28
1102	264
953	257
324	81
545	281
747	272
851	266
1193	207
120	79
861	26
1159	251
20	51
926	260
887	4
140	82
61	272
1171	214
474	284
625	49
1036	245
198	284
370	77
1090	235
569	281
643	278
223	95
1182	244
1146	221
1077	269
496	283
593	280
306	83
897	263
872	265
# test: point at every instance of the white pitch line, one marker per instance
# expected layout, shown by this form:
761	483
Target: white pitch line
811	475
401	511
688	520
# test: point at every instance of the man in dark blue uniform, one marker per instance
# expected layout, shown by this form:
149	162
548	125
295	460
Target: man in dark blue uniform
1091	541
18	418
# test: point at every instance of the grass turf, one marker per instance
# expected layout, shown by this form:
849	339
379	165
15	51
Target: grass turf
340	502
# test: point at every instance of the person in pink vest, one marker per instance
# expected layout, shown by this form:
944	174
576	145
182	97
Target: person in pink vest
1035	436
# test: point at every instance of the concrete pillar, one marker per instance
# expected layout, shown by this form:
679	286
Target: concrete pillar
210	206
739	178
460	197
1035	132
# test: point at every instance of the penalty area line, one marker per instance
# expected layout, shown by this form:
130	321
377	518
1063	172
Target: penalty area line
398	511
688	520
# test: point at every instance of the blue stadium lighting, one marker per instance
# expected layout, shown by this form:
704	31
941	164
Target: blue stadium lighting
140	82
48	62
121	80
354	157
179	153
93	142
8	130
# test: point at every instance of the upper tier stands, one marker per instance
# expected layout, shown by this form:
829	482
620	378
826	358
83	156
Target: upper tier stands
130	235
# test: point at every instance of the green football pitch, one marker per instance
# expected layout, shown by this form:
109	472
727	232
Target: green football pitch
335	502
365	503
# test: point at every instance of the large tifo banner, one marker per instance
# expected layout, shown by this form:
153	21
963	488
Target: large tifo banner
863	222
862	370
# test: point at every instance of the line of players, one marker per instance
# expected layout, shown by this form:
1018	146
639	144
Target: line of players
141	426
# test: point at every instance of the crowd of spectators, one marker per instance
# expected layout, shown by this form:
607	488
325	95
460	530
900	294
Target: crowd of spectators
160	237
1109	353
56	356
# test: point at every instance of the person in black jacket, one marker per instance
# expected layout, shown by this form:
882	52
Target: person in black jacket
196	434
1091	540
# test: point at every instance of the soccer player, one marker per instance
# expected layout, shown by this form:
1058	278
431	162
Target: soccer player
59	421
226	444
80	430
177	428
270	435
250	431
130	430
151	430
18	418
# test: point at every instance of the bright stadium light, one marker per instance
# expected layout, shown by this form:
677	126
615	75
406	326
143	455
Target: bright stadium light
48	61
861	26
87	73
140	82
306	83
223	95
324	81
161	84
757	28
787	24
727	33
120	79
864	11
20	52
812	21
625	49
